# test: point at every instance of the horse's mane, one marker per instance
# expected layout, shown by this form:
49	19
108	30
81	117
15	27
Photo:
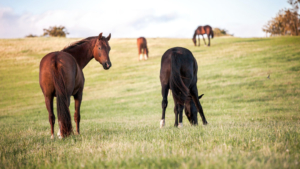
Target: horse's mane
78	43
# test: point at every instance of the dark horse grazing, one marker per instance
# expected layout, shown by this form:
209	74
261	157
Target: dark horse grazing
142	47
61	77
179	73
201	30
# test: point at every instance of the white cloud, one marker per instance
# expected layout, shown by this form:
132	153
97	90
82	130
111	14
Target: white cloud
82	24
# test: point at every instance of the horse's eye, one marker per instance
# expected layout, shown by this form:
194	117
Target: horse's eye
99	48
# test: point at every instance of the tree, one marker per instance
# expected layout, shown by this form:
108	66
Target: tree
55	31
286	22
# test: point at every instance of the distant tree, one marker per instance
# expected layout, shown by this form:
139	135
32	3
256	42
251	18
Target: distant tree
220	32
30	36
56	31
286	22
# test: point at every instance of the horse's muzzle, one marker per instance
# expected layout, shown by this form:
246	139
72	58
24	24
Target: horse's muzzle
106	65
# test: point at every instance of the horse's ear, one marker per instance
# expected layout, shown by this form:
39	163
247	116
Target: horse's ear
108	37
200	96
100	36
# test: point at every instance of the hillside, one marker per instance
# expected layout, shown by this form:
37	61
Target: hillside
254	121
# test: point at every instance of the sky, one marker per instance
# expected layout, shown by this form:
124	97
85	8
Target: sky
132	18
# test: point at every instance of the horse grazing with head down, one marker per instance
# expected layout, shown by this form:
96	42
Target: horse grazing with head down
142	47
61	76
179	73
201	30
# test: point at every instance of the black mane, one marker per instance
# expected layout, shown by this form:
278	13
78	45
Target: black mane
78	43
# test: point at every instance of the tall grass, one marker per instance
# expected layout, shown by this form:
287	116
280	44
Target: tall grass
254	121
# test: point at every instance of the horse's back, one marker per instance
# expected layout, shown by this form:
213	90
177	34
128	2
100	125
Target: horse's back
66	65
203	29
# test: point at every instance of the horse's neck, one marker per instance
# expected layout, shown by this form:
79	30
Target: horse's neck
194	36
83	54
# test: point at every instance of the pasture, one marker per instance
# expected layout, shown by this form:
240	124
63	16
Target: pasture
254	121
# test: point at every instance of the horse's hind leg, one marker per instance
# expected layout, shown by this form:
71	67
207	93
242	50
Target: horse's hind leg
140	53
194	93
199	40
49	105
208	40
77	98
145	53
164	103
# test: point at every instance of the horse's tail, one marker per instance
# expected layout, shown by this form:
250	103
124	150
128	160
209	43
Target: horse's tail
179	90
62	99
212	34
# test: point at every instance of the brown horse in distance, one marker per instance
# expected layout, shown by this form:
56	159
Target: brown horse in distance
142	47
201	30
61	76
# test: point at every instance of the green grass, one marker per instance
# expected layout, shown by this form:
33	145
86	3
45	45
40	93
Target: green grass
254	122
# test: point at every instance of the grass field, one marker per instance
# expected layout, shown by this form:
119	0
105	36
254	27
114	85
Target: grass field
254	122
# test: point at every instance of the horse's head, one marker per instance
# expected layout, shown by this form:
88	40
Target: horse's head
101	51
191	110
194	40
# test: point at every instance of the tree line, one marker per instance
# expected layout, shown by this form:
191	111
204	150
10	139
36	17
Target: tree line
286	22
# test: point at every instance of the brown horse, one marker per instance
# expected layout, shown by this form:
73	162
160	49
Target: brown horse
179	73
142	47
201	30
61	76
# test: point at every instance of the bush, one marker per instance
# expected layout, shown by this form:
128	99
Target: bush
56	31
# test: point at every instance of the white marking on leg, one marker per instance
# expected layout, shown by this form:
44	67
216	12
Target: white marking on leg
146	57
162	123
141	56
52	136
180	125
58	134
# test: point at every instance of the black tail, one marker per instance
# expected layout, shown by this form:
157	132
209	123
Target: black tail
179	90
62	100
212	34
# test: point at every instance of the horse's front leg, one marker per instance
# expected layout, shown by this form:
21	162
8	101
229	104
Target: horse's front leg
204	40
49	105
77	98
199	40
180	112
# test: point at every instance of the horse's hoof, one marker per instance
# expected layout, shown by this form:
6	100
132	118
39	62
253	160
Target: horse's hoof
205	123
52	136
180	125
162	123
